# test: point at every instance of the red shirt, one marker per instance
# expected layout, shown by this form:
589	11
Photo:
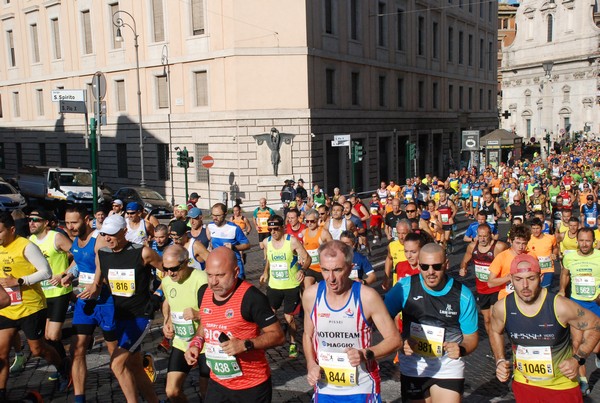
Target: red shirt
403	269
298	234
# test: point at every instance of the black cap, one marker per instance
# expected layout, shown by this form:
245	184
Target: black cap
179	227
275	221
194	195
41	213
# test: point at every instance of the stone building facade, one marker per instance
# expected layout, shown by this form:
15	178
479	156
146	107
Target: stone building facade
216	73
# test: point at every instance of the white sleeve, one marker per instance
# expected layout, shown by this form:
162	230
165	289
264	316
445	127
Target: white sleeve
35	256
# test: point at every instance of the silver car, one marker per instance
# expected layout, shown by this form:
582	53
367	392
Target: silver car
10	198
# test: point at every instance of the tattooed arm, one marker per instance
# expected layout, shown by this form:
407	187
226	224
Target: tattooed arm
569	312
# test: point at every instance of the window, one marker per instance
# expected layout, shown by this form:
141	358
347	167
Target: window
329	85
162	151
421	37
42	151
354	20
489	100
162	90
490	55
87	32
122	158
382	91
528	126
201	172
490	10
461	96
567	123
16	105
470	44
421	94
470	5
470	98
566	93
550	28
113	9
329	16
355	88
481	99
90	96
400	85
450	44
12	60
55	31
400	29
481	50
435	96
158	21
39	98
481	9
64	159
19	151
120	93
201	81
461	50
436	40
451	97
381	28
197	17
2	161
35	44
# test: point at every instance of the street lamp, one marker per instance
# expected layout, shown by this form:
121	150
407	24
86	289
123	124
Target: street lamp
547	66
164	60
119	23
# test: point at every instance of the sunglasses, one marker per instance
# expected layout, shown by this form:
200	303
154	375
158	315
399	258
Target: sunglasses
310	221
174	237
322	213
411	211
435	266
131	212
35	219
105	234
174	268
274	229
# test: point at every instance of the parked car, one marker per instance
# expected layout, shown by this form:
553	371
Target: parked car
153	202
10	198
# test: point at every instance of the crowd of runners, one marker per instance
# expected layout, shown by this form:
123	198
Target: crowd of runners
118	269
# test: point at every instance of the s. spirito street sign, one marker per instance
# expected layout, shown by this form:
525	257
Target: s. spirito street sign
68	95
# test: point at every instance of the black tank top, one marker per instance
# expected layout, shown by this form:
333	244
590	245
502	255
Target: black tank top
519	210
426	309
117	268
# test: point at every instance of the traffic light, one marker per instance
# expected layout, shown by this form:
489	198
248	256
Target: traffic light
412	151
547	138
358	152
183	158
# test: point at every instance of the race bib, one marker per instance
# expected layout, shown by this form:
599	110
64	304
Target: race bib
262	222
314	256
409	197
445	218
280	270
122	282
222	365
482	272
475	199
336	369
374	211
353	273
566	202
535	363
585	286
16	298
553	199
491	219
510	288
568	187
591	221
545	262
184	329
537	207
394	233
46	285
429	339
496	190
83	280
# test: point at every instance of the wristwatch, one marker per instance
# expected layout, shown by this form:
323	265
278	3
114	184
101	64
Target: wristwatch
580	360
20	281
249	345
369	354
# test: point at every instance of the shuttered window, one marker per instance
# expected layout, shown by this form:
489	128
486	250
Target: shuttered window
11	48
35	44
115	44
201	172
55	28
162	92
201	88
120	92
158	20
39	94
87	32
17	105
197	17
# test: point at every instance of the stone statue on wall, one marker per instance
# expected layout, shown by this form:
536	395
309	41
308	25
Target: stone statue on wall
274	140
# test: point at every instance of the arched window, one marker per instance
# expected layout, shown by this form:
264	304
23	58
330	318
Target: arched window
550	27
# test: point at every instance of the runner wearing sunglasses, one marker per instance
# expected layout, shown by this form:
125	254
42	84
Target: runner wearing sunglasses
440	327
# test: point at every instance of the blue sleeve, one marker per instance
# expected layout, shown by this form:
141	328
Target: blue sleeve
240	237
366	266
470	233
494	229
468	312
395	299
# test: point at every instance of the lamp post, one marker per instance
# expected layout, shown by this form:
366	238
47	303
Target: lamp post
164	59
547	108
119	23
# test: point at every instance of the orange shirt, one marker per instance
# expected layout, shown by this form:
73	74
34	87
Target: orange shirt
394	190
501	267
542	249
496	184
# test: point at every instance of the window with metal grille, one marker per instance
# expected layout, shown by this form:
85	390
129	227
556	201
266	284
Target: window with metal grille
201	149
122	157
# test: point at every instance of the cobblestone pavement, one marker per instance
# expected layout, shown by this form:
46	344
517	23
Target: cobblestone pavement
289	375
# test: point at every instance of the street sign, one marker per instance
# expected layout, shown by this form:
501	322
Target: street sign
99	86
207	161
341	140
470	140
68	95
72	107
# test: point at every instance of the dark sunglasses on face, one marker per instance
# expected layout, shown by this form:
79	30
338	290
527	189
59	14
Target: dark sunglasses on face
411	211
274	229
435	266
310	221
174	268
131	212
35	219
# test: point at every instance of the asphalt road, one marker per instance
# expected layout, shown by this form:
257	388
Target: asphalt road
289	375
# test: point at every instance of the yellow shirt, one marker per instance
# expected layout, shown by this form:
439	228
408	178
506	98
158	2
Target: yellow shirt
25	300
397	254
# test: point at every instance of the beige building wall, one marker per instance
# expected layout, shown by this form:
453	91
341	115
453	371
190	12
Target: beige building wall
266	66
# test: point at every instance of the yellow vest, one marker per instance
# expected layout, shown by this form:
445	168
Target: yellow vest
397	253
58	260
26	300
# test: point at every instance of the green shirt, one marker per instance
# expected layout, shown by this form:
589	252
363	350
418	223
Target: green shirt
585	275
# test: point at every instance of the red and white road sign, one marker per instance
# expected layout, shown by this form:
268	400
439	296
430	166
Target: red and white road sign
208	161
